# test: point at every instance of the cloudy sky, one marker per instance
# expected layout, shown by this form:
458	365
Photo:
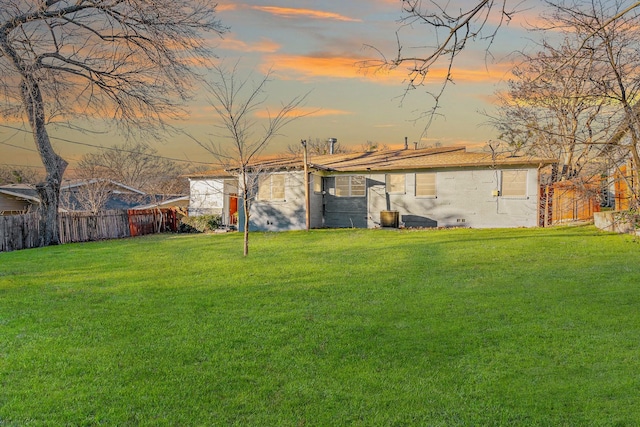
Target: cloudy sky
315	48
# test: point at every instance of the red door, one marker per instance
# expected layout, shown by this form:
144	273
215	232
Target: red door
233	209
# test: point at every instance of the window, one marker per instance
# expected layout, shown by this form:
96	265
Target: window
271	187
317	184
350	186
514	183
425	185
395	183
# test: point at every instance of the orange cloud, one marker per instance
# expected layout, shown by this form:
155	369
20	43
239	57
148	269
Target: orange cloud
349	67
308	112
226	7
290	12
332	66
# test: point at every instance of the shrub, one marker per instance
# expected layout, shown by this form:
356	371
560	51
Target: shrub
200	224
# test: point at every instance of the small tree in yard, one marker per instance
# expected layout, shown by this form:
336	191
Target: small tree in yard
237	103
130	61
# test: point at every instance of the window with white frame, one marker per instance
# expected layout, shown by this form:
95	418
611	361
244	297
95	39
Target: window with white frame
514	183
396	183
271	187
350	186
426	184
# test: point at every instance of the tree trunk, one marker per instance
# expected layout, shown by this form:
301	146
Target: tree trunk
246	206
49	190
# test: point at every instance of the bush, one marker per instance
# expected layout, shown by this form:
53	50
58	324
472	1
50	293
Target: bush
200	224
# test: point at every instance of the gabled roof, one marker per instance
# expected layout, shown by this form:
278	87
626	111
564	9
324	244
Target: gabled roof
390	160
68	184
21	191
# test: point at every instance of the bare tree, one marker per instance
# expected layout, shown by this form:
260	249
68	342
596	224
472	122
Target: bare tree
317	147
578	102
550	108
236	103
445	29
131	61
608	31
92	196
371	146
136	164
18	175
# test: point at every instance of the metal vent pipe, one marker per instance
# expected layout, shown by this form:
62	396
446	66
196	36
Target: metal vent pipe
332	142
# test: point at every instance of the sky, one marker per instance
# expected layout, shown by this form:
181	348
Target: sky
315	48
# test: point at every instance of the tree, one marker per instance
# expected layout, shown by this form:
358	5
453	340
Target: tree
551	109
136	164
578	102
18	175
91	197
449	27
316	147
131	61
236	103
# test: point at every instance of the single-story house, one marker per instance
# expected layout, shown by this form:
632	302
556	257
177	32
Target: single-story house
437	187
18	199
79	195
214	193
98	194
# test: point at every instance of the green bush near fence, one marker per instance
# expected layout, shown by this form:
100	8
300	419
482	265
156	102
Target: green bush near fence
200	224
529	327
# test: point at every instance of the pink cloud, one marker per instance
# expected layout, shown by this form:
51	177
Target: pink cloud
291	12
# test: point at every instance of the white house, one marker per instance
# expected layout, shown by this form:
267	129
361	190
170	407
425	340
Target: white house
214	193
437	187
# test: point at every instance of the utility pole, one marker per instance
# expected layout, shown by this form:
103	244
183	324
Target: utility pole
307	202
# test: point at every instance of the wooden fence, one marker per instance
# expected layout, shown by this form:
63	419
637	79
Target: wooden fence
19	231
566	202
87	226
22	231
150	221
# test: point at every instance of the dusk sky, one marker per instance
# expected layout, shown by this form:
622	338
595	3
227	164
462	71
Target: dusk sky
315	47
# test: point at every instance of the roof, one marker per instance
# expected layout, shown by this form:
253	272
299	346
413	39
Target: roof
218	173
68	184
389	160
176	201
21	191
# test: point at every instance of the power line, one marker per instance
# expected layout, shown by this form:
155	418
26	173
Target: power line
22	166
17	146
105	148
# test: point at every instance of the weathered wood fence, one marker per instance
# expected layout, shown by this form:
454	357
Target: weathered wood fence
22	231
566	201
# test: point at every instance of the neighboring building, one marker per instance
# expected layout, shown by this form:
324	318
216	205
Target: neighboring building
75	195
439	187
99	194
214	193
18	199
179	202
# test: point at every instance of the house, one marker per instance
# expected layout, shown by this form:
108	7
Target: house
75	195
437	187
98	194
214	193
18	199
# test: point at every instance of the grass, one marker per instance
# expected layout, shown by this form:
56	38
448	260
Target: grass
326	328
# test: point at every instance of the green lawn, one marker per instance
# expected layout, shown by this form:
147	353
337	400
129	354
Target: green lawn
326	328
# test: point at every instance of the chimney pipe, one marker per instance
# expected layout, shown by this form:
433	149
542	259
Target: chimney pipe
332	142
406	143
